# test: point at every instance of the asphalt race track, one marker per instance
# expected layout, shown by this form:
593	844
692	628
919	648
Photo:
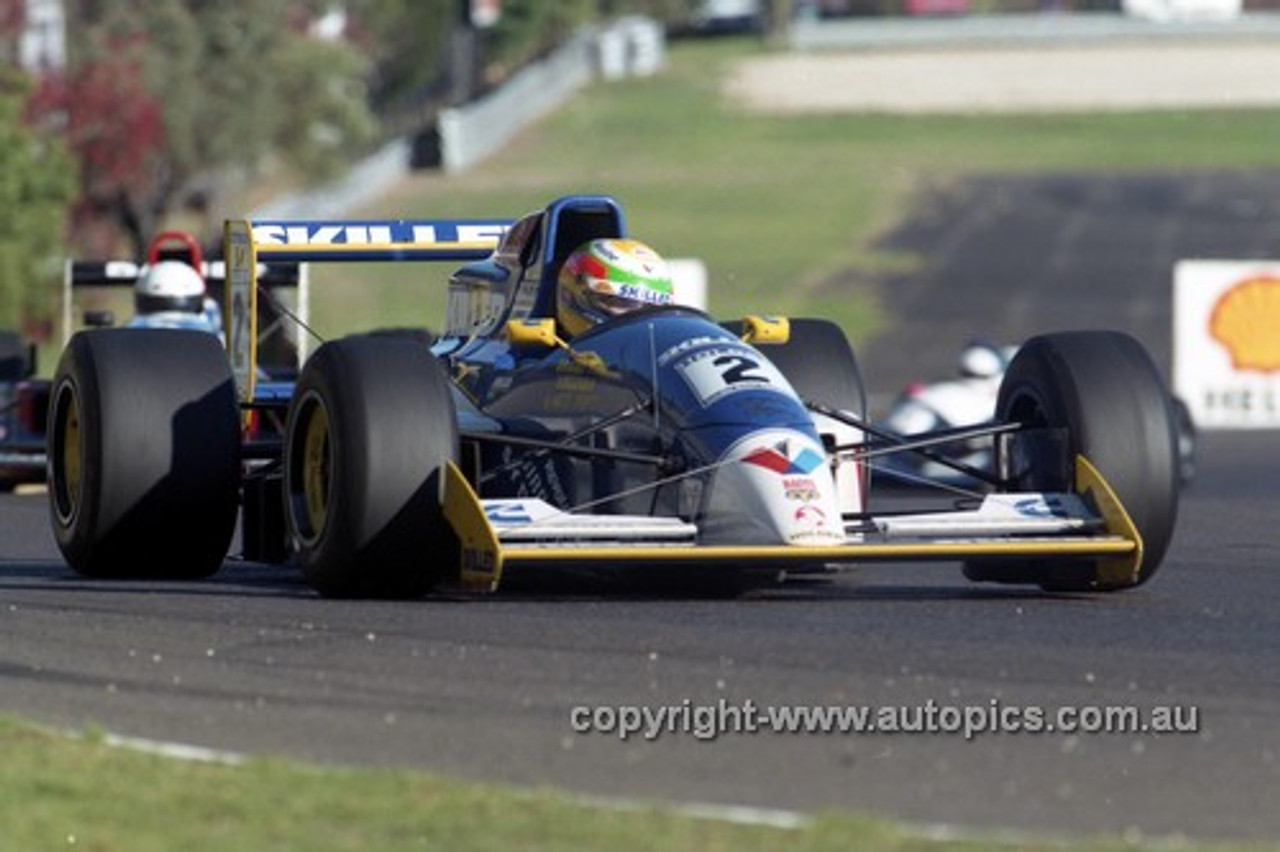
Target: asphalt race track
251	661
1004	258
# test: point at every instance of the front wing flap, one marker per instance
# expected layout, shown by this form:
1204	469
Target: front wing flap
500	535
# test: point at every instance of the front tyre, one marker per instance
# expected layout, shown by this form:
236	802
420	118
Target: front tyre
370	432
1104	391
144	453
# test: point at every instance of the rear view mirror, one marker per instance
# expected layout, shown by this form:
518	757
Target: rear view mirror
533	332
766	330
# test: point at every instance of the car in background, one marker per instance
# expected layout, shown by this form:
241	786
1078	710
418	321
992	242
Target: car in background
283	308
727	16
963	405
23	401
880	8
24	397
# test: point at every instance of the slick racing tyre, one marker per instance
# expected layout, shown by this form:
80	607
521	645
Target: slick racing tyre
370	432
1103	390
144	453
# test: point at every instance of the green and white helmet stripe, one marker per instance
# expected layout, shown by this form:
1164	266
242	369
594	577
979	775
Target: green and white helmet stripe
606	278
627	268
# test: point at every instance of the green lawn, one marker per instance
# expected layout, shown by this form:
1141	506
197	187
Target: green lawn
63	792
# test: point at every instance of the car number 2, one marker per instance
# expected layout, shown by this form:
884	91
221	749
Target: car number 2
740	368
713	373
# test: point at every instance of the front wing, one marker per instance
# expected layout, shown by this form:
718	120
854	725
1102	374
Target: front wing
505	535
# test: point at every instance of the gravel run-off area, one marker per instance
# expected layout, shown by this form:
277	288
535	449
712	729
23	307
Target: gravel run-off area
1176	75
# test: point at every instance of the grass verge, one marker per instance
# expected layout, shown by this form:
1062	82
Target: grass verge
82	793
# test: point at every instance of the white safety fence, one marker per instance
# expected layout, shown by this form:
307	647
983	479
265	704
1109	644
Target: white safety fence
631	46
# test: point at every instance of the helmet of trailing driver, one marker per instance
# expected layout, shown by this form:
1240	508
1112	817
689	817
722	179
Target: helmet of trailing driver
606	278
169	285
981	360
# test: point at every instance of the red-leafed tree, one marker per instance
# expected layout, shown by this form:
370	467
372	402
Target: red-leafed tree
168	101
114	128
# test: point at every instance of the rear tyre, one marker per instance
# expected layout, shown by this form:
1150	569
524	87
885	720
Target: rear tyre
370	431
144	453
1102	388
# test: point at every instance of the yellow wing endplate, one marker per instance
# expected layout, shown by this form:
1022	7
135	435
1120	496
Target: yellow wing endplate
481	555
241	307
1121	570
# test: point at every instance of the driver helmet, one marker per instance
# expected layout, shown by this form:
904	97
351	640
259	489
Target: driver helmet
981	360
606	278
170	285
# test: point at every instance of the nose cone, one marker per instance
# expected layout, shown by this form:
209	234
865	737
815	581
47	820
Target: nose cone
774	487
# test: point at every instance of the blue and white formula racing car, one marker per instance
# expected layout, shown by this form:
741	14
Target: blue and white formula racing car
661	440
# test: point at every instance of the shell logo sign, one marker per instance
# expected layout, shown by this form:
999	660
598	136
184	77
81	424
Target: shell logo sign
1226	346
1245	322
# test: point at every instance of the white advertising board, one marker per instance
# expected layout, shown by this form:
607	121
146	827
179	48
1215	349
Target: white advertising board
689	282
1226	342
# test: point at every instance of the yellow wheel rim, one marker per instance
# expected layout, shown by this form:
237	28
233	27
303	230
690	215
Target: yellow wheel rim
316	468
69	470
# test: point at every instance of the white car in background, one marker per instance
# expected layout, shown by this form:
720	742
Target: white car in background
963	404
722	16
1183	10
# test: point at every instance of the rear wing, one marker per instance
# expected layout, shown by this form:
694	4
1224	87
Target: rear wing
251	244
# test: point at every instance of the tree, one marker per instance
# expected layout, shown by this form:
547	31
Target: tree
175	100
201	92
321	123
528	29
35	187
407	44
115	128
